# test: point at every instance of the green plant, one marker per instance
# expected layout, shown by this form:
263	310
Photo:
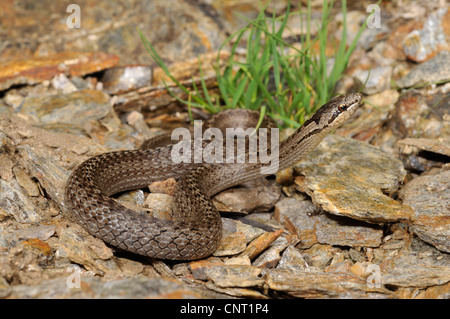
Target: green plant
287	85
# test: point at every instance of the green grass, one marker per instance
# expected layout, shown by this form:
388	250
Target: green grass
284	82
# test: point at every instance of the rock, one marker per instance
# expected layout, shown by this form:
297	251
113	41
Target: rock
126	78
427	144
231	244
15	203
434	70
370	124
319	256
290	211
302	284
234	276
25	181
234	226
42	232
419	266
5	288
261	243
75	108
347	178
261	196
33	70
345	232
292	259
133	200
199	267
49	173
164	187
83	249
420	115
375	80
429	196
324	228
420	45
159	205
271	257
92	287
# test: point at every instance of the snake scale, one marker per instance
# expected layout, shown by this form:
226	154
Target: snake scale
195	228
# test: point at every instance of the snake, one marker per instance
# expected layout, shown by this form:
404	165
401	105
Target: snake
194	230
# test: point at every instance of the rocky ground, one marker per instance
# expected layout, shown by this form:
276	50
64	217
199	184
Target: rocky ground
366	215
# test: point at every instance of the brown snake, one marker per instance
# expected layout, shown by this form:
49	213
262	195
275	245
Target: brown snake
195	229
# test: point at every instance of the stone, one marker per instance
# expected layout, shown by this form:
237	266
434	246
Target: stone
420	265
235	276
83	249
376	80
420	45
349	178
324	228
429	196
15	202
434	70
33	70
300	284
122	79
78	107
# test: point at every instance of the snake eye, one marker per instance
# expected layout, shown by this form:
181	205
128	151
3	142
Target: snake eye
342	107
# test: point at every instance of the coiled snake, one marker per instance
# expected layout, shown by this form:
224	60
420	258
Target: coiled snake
195	228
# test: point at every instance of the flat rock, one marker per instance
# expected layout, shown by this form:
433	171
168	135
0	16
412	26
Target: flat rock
301	284
348	178
259	195
126	78
34	70
427	144
83	249
429	196
376	80
325	228
421	44
78	107
420	265
434	70
93	287
235	276
15	202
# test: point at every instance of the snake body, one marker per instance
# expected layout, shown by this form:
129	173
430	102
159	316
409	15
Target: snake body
195	228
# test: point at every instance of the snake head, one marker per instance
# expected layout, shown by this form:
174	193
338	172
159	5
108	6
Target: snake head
335	112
